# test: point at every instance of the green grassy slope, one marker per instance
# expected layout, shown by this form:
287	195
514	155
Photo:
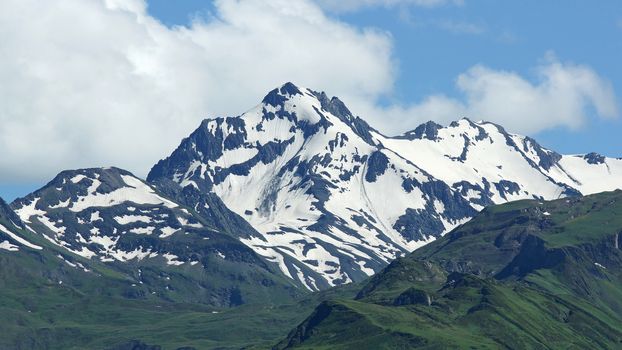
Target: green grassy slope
525	275
53	299
57	317
101	309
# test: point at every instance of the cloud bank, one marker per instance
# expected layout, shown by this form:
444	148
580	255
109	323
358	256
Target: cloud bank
563	94
90	82
96	83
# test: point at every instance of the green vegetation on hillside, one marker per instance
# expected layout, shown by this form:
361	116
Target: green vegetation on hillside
525	275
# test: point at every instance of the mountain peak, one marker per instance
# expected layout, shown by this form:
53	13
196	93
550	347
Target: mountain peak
93	171
430	129
466	122
290	88
594	158
95	180
277	96
334	105
288	91
300	166
427	130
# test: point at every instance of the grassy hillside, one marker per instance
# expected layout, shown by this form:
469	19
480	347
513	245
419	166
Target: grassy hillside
56	317
47	304
525	275
52	299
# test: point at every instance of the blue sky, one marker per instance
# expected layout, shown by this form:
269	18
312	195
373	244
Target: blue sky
121	82
433	45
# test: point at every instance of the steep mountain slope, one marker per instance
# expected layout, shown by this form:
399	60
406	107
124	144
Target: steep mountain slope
108	217
10	225
335	200
528	274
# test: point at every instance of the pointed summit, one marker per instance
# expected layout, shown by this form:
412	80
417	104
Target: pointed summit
427	130
290	88
334	105
279	95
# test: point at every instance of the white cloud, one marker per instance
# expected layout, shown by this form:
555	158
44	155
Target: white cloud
93	82
563	94
353	5
100	82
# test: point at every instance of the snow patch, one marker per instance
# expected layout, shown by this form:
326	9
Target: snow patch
63	204
127	219
136	192
76	179
171	259
19	239
95	216
143	230
6	245
29	210
167	231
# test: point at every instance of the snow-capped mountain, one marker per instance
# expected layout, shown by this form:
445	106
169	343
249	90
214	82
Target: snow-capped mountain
334	200
108	216
100	212
487	165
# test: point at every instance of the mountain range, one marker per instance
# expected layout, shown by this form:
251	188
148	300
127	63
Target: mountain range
296	192
335	200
